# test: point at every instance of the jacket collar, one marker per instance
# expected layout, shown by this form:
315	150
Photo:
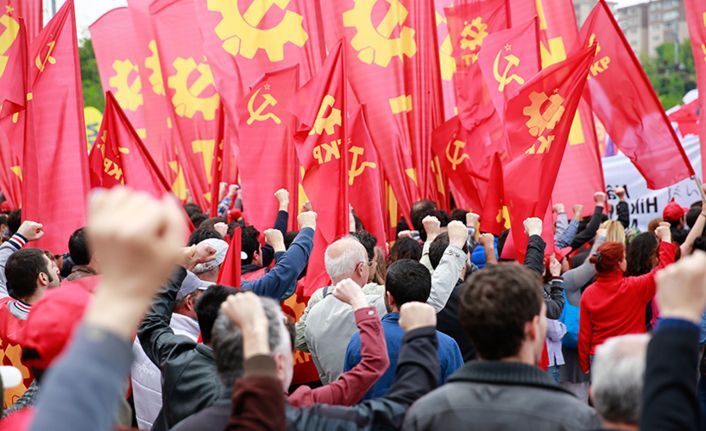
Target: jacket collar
505	373
610	277
391	317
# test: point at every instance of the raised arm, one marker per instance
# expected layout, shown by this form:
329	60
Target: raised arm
593	225
534	258
562	221
554	299
432	227
82	391
487	240
696	231
623	209
280	283
577	278
28	231
570	233
447	273
268	252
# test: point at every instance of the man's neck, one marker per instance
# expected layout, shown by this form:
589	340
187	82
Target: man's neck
619	426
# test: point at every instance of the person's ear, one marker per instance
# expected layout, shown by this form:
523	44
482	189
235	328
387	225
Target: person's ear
43	279
281	366
389	299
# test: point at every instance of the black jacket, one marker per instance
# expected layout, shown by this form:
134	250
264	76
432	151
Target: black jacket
669	399
589	232
190	381
417	374
448	322
500	396
554	291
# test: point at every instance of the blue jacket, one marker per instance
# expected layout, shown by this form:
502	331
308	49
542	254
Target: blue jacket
449	355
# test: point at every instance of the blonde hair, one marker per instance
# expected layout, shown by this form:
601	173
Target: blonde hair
615	231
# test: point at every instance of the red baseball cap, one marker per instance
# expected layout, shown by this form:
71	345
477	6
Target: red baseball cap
53	319
673	211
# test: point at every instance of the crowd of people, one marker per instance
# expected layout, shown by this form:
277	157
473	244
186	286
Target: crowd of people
600	328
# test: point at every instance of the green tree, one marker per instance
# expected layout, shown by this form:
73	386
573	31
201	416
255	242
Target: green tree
92	88
672	74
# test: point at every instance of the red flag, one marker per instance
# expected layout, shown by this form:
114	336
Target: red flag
364	179
267	156
696	19
469	26
218	160
581	172
495	218
508	59
538	121
452	145
28	10
633	116
190	87
121	156
447	62
12	137
55	164
157	115
13	63
116	48
320	108
232	265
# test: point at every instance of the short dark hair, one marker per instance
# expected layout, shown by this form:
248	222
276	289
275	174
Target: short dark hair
407	281
444	218
197	219
14	220
202	234
405	248
692	215
250	242
421	209
438	247
459	214
78	247
192	209
208	306
496	303
368	241
209	223
700	243
22	269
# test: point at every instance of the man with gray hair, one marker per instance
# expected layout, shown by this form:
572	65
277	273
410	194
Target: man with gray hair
618	373
327	324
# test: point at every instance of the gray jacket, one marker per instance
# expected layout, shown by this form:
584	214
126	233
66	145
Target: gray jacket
500	396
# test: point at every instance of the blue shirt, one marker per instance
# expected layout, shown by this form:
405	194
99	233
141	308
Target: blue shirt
449	355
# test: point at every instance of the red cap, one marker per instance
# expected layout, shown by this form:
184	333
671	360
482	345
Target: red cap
673	212
5	207
234	215
53	318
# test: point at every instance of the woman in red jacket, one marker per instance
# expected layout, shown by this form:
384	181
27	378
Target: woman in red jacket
615	305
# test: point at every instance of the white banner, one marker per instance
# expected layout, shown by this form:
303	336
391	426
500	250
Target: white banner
645	204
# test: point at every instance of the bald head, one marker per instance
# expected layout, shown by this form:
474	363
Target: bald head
347	258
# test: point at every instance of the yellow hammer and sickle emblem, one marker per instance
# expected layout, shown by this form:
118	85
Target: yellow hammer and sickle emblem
41	64
7	38
357	170
329	123
506	78
259	114
457	158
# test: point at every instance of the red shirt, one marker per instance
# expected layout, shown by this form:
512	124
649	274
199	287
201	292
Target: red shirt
11	330
615	305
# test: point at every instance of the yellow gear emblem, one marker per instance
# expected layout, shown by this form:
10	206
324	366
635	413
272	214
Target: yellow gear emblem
543	112
328	123
152	63
128	94
240	33
375	44
473	34
187	99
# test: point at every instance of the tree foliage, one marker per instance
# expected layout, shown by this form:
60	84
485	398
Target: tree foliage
672	74
92	88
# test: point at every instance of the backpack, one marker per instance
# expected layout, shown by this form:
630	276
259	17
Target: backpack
570	316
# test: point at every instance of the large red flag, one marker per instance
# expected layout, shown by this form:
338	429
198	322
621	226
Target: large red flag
29	10
633	116
232	265
190	86
581	171
116	48
696	19
364	179
538	121
320	108
508	59
447	62
452	145
267	158
121	157
55	164
158	121
12	137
